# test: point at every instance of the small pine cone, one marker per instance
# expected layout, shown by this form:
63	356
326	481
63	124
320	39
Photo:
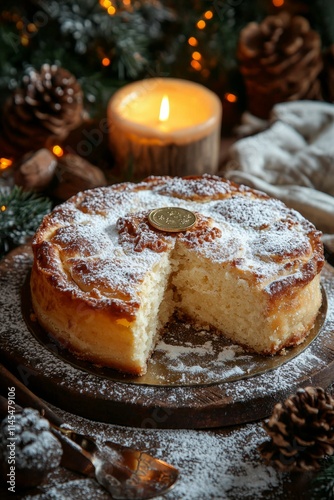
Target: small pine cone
73	174
35	171
301	431
47	106
35	449
280	60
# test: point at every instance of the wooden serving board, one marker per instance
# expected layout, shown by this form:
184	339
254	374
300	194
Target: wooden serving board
200	388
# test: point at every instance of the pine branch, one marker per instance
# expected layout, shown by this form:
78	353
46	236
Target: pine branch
20	215
133	39
323	484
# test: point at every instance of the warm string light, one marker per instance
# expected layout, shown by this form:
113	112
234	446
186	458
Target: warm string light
58	151
105	3
24	40
230	97
278	3
10	16
111	8
3	208
196	65
201	24
26	30
108	5
105	60
193	42
5	163
208	15
32	28
196	57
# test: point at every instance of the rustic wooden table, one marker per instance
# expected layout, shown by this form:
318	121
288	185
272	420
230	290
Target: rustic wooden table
216	463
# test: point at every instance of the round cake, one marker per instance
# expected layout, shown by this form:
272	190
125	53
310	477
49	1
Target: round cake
110	268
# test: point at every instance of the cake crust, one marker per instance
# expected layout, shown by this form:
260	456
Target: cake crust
95	257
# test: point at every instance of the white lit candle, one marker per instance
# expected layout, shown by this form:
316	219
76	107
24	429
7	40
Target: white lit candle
165	126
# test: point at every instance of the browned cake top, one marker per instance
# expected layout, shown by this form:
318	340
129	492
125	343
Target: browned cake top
99	244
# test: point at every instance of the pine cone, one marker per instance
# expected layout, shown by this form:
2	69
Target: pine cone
74	174
47	106
280	60
36	170
301	431
36	450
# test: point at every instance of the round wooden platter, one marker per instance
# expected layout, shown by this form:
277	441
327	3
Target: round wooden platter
236	389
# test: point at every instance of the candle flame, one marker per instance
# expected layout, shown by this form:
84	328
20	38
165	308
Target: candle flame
164	109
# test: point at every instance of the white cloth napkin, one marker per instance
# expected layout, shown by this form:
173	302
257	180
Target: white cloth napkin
292	159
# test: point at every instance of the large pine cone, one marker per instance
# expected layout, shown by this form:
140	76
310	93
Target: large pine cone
280	60
301	431
47	106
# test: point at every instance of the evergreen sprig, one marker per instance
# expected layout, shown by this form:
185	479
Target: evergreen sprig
323	484
87	34
146	38
20	215
138	39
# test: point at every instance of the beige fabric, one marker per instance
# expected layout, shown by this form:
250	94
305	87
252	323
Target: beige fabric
291	159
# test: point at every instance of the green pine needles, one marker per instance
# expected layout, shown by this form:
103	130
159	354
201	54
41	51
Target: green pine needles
107	43
116	41
20	215
323	484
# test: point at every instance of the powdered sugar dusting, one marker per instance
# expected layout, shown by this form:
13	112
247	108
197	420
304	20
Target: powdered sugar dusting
173	352
257	234
205	358
219	464
208	187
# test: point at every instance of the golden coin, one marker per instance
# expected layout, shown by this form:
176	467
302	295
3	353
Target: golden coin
172	219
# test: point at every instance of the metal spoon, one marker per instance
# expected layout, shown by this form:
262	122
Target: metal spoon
125	472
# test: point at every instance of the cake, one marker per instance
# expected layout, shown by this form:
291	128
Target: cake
106	279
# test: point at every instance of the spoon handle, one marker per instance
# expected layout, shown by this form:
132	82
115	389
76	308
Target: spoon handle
25	396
